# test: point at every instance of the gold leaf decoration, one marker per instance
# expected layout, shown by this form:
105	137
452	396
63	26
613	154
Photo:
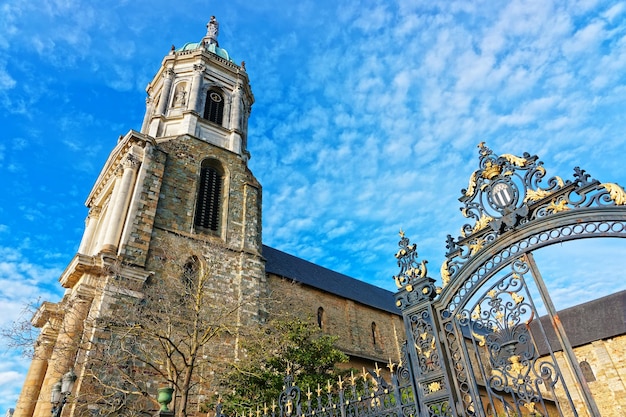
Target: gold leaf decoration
517	298
476	312
480	338
445	273
482	223
516	366
536	195
491	170
556	207
559	181
434	386
476	245
422	271
472	184
515	160
617	193
531	406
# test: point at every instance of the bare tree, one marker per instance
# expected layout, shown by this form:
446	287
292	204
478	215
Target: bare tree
175	330
175	333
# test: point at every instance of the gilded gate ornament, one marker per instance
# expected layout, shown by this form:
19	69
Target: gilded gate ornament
508	191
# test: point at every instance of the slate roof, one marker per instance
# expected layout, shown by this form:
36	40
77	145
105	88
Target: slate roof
308	273
599	319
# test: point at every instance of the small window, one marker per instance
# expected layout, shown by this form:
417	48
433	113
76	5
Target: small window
209	201
320	317
190	272
587	371
374	333
214	107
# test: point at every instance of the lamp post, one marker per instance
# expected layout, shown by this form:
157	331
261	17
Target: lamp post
60	391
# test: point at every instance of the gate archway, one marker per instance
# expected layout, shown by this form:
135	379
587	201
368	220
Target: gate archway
477	344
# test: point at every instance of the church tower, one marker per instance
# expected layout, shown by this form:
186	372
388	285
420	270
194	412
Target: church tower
183	177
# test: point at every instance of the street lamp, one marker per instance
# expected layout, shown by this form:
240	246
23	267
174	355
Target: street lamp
60	391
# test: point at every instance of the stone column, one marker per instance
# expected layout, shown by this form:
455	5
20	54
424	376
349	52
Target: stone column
91	224
106	220
29	395
64	350
168	78
196	88
119	207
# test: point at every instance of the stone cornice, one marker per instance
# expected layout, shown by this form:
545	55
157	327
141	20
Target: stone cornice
202	57
100	265
78	266
116	157
45	313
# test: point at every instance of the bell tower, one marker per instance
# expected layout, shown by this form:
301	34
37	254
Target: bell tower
183	178
199	91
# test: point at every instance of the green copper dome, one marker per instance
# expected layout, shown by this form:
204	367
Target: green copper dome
213	48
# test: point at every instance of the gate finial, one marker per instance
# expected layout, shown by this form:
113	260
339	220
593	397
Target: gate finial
413	275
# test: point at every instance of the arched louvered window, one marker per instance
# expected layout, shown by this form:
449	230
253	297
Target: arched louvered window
214	107
208	205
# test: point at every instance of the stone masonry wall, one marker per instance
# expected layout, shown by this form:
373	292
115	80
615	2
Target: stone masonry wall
180	183
349	320
142	218
606	359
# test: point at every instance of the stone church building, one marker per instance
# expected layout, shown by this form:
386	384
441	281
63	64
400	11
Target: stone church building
185	177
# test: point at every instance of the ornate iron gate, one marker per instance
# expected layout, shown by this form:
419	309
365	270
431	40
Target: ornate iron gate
476	343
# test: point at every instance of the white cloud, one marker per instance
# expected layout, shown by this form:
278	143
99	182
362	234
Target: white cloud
366	119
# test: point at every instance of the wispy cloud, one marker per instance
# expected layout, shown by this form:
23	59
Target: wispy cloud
366	119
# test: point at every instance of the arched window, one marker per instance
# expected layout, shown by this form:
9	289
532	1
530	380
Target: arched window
587	371
320	317
190	272
209	203
374	333
214	107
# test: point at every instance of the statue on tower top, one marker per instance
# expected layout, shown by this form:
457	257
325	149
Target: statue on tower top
212	30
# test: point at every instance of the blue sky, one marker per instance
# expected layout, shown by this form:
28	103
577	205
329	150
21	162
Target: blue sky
366	120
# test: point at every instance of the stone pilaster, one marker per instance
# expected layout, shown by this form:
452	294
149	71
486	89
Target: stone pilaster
119	206
64	350
196	87
168	78
29	395
91	224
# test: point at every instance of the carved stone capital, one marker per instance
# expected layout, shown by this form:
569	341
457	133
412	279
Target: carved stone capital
94	212
131	162
199	68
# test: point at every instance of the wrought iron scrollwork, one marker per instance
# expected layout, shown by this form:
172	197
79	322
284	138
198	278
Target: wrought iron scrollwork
509	191
413	276
497	331
425	343
364	395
